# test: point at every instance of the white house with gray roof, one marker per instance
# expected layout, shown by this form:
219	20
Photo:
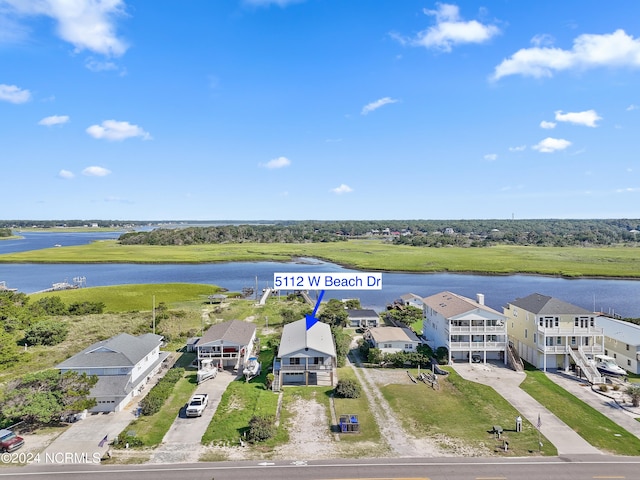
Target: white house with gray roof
306	356
363	318
123	364
470	330
393	339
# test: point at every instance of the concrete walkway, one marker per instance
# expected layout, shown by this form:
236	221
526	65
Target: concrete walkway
604	403
507	383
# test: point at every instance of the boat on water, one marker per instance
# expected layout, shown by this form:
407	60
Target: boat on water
608	366
252	368
207	370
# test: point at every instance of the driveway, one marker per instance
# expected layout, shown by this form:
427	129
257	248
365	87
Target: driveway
182	442
507	383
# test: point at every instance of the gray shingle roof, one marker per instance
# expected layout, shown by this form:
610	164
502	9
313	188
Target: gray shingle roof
295	337
234	331
362	313
544	305
123	350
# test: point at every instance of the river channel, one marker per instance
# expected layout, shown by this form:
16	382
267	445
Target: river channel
621	297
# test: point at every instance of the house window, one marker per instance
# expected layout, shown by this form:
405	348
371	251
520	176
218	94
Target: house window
576	322
408	346
526	332
557	320
627	347
615	356
535	338
294	361
592	322
628	362
541	320
558	340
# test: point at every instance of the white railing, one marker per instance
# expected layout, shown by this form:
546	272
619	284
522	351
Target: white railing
478	345
571	331
493	330
304	368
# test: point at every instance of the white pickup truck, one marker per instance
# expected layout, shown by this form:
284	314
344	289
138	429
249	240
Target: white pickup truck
197	404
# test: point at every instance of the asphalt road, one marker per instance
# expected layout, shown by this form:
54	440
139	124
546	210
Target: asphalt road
558	468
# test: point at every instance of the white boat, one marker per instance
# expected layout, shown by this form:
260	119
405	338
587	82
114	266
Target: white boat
252	368
607	365
206	371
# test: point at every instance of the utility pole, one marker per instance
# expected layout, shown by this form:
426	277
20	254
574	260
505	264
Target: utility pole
154	314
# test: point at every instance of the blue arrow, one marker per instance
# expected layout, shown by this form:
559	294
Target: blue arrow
311	319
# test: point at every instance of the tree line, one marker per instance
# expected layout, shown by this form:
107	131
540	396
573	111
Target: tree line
419	233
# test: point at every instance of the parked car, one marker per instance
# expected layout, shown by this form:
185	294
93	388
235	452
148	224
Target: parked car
9	441
197	404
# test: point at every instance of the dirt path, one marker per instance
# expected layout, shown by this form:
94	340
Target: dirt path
399	441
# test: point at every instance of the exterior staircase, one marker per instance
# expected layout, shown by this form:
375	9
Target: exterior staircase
513	359
590	371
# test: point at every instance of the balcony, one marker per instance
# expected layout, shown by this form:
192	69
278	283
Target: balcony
478	346
571	331
498	330
554	349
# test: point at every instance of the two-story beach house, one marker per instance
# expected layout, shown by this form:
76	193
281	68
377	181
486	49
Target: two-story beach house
621	342
549	333
227	344
123	365
470	330
306	356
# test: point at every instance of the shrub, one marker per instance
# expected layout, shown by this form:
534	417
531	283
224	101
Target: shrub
46	332
603	388
123	439
347	389
261	428
156	397
86	308
634	392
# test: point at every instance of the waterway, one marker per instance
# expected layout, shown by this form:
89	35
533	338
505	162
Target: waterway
621	297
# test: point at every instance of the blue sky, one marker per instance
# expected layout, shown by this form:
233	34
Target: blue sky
319	109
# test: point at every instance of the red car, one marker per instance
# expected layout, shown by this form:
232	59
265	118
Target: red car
9	441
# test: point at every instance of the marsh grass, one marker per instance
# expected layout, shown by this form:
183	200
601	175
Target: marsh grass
363	255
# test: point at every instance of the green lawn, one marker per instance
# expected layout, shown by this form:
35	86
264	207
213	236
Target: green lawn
593	426
152	429
464	412
363	255
369	431
239	403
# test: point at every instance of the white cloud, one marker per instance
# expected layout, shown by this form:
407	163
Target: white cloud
542	40
519	148
99	66
86	24
96	172
342	189
450	30
632	107
54	120
547	125
587	118
279	162
13	94
370	107
66	174
491	156
615	49
550	145
117	131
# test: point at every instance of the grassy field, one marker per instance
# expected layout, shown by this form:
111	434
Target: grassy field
369	431
621	262
465	412
593	426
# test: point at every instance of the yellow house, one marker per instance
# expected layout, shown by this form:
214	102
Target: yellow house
552	334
